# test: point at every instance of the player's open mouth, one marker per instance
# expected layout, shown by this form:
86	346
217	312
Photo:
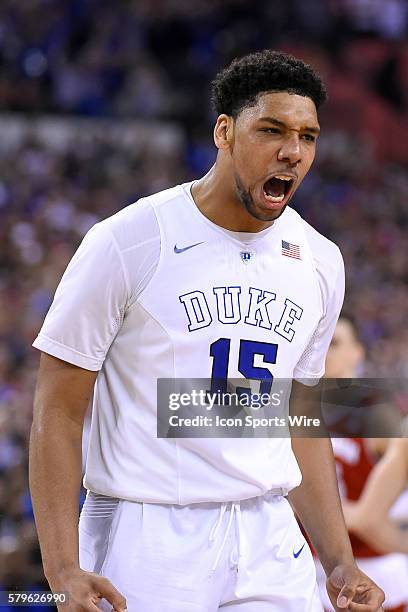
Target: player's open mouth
277	188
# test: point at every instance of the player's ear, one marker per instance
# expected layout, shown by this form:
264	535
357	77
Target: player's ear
224	132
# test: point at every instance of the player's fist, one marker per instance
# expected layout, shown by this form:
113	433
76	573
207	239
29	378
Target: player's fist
350	589
85	590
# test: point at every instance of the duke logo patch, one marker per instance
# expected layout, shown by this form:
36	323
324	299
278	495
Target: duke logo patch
246	256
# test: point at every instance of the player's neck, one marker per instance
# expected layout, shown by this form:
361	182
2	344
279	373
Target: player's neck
216	199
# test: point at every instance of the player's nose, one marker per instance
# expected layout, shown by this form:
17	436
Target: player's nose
290	150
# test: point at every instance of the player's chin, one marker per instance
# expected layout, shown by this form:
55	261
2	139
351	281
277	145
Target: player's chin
262	216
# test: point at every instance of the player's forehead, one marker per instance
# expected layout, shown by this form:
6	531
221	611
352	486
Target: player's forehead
291	109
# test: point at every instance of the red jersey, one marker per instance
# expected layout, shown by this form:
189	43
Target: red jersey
354	462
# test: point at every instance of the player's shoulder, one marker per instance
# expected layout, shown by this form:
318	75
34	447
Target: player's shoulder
325	253
137	222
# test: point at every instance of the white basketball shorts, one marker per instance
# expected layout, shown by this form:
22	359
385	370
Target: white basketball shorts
247	556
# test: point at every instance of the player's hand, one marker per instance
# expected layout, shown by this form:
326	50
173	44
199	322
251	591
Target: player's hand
85	590
350	589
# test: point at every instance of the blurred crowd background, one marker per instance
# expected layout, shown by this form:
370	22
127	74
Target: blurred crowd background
103	102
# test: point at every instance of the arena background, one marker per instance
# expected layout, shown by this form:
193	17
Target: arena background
104	102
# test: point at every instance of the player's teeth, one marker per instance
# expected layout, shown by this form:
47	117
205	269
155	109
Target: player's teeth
274	198
283	178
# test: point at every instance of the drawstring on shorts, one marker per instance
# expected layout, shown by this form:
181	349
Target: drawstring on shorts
235	510
274	496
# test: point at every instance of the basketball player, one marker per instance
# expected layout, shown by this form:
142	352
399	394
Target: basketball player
355	459
211	279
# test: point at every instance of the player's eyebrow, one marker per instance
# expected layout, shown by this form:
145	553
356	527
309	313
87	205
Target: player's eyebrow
282	124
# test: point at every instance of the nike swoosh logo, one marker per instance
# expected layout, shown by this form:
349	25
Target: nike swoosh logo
296	554
177	250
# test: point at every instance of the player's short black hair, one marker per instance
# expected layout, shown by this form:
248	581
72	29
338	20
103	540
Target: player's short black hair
239	85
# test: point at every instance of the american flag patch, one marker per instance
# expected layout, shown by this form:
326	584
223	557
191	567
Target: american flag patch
290	250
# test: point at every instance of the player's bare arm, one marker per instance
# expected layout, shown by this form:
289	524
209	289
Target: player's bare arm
369	517
62	396
347	586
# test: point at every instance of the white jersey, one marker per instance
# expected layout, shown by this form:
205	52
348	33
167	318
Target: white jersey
149	294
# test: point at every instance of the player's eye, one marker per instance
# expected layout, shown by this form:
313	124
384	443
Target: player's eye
309	137
271	130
